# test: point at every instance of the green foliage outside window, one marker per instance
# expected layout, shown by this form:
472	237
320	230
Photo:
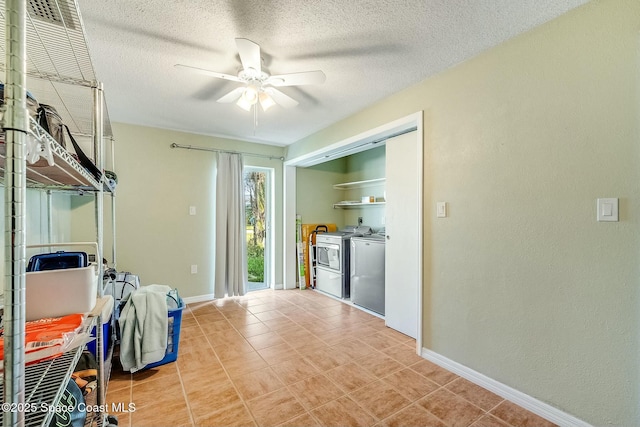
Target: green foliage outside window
255	263
255	198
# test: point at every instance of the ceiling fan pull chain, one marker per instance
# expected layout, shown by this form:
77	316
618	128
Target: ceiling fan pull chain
255	119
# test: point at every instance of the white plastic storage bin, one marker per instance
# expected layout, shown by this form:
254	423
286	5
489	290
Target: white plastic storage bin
106	316
55	293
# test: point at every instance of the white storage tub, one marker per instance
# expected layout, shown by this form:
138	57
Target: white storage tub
55	293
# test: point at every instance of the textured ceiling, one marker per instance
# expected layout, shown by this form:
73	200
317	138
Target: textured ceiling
367	49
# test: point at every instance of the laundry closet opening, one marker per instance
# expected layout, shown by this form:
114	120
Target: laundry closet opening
373	179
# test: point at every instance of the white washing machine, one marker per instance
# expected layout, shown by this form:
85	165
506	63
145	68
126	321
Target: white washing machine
332	260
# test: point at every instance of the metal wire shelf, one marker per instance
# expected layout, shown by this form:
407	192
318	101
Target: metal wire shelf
66	173
46	381
59	68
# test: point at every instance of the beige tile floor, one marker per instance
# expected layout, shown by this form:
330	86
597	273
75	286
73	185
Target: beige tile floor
300	358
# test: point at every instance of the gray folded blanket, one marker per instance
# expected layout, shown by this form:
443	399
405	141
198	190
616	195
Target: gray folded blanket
143	327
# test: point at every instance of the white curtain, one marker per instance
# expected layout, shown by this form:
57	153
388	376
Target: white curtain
230	265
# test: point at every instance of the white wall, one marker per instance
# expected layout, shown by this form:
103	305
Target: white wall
37	224
520	282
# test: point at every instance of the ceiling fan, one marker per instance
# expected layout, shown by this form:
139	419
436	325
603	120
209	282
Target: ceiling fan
258	85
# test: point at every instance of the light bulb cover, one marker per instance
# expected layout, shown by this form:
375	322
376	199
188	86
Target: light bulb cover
244	104
266	101
250	94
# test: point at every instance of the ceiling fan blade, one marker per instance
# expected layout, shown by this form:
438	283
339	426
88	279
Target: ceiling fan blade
249	54
210	73
232	96
281	99
296	79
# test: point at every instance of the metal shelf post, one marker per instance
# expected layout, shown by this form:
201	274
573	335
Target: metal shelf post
15	127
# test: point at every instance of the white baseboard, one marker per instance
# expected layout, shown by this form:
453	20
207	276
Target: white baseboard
210	297
529	403
199	298
278	286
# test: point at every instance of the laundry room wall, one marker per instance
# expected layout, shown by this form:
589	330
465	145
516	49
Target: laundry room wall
156	237
363	166
521	283
315	195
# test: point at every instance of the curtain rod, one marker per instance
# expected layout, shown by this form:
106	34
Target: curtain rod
191	147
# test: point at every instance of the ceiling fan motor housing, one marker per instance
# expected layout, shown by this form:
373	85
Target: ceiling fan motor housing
250	75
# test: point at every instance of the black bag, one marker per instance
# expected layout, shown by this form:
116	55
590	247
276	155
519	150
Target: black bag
32	104
71	413
32	107
50	120
85	161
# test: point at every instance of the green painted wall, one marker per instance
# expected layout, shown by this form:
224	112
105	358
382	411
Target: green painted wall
315	194
156	237
521	282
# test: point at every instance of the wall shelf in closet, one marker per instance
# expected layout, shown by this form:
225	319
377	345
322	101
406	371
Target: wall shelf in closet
360	184
356	185
348	205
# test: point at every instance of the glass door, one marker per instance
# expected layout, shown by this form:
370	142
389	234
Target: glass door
258	225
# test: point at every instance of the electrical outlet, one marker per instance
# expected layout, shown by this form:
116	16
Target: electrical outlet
194	269
359	220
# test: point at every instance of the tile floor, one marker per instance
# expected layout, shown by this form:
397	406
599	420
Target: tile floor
300	358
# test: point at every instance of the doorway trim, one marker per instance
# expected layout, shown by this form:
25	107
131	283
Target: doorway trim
342	148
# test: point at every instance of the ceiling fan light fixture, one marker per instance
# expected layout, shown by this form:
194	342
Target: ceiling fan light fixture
258	85
250	94
244	104
266	101
248	98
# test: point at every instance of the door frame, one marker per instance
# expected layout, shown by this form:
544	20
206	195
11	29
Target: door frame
269	246
347	146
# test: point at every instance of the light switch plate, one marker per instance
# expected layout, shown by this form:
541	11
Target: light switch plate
607	209
441	209
192	210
